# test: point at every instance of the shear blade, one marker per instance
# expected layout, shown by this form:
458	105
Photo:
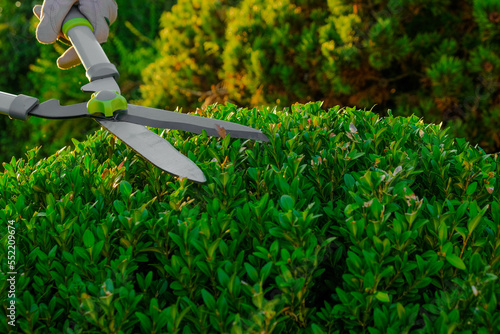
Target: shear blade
51	109
155	149
166	119
156	118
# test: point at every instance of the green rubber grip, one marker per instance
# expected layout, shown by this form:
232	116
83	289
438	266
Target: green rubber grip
78	21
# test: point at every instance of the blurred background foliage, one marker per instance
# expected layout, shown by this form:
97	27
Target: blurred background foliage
436	59
29	68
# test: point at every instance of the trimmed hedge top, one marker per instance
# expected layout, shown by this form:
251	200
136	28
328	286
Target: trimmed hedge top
343	222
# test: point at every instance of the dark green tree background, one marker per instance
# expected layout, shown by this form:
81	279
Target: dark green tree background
29	67
17	53
436	59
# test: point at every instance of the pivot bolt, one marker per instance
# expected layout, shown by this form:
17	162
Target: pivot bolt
106	102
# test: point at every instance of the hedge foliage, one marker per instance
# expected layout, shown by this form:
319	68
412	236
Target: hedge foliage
437	59
343	222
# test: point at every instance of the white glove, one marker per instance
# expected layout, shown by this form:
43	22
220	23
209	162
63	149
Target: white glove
100	13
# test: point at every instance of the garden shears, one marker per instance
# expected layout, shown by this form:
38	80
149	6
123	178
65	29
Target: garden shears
110	109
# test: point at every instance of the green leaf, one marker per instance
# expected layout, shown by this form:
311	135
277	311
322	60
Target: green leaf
88	239
68	256
144	320
208	299
119	206
286	273
177	239
349	181
252	172
276	232
108	286
286	202
495	212
163	318
476	219
369	280
472	224
462	231
234	285
52	252
316	329
382	296
213	247
274	248
376	209
223	277
125	189
203	266
443	232
41	255
252	272
471	188
38	281
97	249
401	310
476	264
380	318
461	210
265	271
447	248
82	253
350	208
222	306
9	169
455	261
176	285
148	280
153	309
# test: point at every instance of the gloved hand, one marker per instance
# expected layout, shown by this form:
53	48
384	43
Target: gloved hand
100	13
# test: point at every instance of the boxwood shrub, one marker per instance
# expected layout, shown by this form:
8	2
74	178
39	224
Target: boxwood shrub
345	222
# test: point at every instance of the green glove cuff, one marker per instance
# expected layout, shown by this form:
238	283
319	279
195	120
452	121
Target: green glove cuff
75	22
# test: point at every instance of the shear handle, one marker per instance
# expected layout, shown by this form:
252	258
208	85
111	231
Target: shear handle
17	106
78	30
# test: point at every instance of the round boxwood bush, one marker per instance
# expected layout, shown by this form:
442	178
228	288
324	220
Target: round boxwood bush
343	222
